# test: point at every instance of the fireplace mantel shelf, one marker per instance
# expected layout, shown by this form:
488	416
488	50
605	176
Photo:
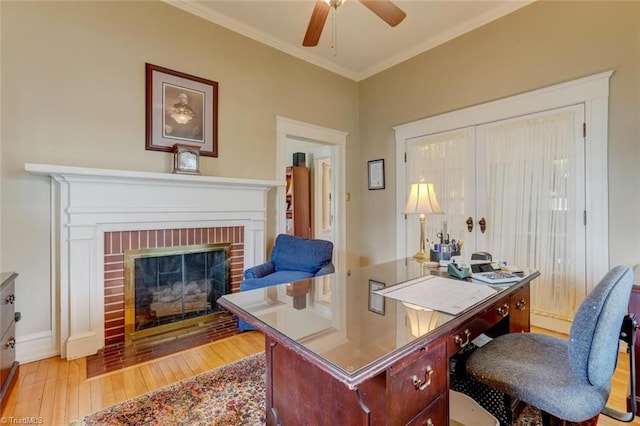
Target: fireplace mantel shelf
88	173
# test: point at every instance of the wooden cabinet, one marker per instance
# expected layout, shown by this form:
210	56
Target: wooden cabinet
634	308
298	199
8	365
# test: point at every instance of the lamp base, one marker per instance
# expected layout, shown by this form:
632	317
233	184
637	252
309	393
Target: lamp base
422	258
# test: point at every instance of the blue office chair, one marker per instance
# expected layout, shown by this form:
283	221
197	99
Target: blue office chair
292	259
568	380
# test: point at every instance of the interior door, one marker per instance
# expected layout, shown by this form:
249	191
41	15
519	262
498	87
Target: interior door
514	188
531	202
323	194
448	161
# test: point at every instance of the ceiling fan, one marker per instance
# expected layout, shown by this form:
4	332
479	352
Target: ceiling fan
387	11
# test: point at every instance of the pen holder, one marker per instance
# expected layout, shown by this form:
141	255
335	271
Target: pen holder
438	255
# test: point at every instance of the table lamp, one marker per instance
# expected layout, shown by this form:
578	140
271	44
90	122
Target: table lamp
422	200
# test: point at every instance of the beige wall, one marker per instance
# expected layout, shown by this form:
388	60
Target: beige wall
73	94
73	86
537	46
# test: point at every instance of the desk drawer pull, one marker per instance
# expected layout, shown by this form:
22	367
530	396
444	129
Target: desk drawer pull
521	305
419	385
428	422
462	343
503	310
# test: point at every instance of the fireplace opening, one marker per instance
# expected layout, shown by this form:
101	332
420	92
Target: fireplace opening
168	289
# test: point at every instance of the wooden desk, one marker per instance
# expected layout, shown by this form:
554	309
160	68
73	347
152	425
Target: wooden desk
341	359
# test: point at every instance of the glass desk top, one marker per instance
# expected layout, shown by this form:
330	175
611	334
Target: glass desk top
339	317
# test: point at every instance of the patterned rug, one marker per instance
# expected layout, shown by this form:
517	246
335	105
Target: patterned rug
230	395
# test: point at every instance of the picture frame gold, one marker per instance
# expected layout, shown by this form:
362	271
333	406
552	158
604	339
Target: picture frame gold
180	109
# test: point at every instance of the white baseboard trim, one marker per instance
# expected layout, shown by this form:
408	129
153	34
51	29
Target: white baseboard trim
552	324
35	346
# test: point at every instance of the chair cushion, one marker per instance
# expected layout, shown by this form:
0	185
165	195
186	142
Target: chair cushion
291	253
278	277
541	379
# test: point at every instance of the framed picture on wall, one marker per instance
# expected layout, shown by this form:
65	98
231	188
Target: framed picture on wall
180	109
376	301
375	173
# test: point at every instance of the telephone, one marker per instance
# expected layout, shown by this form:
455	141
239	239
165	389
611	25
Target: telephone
481	255
454	270
481	261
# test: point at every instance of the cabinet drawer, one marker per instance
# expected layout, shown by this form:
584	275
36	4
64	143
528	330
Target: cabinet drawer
416	381
7	352
519	311
434	415
463	335
7	296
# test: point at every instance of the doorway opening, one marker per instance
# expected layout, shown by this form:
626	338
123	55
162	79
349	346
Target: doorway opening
324	151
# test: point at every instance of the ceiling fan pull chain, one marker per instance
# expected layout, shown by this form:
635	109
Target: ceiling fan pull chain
334	32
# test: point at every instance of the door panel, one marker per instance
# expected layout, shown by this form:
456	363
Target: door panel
530	187
524	177
446	160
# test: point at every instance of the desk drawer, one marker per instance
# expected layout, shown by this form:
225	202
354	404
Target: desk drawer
520	310
416	381
477	325
434	415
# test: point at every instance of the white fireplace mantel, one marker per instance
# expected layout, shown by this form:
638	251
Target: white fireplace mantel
87	202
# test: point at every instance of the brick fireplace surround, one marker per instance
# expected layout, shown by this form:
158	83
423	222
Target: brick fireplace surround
116	243
97	213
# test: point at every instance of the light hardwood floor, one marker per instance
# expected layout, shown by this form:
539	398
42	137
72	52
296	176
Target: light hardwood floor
56	392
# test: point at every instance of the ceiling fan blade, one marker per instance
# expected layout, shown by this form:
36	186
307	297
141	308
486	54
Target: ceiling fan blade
316	23
387	11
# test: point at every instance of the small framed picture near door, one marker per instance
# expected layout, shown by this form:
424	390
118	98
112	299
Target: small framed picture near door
376	174
376	301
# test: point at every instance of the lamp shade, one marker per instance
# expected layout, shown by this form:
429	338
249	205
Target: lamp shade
422	199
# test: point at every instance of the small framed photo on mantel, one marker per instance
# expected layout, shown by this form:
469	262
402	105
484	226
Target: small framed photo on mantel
180	109
186	159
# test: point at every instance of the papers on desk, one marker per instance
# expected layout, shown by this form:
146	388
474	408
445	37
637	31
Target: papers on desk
441	294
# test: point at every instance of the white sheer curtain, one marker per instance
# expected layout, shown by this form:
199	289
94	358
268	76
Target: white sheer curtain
530	175
442	160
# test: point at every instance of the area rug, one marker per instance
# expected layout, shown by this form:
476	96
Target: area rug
230	395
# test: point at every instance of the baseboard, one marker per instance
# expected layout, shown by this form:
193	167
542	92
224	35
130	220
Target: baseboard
35	346
552	324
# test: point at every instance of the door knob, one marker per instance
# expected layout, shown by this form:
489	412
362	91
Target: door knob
469	223
483	225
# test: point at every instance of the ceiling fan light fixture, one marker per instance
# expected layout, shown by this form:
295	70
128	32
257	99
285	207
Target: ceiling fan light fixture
385	9
334	3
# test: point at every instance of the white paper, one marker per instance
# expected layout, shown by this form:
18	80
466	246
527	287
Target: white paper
441	294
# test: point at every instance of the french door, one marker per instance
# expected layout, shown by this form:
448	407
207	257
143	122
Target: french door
516	189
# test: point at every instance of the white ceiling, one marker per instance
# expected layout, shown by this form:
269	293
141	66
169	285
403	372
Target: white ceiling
365	44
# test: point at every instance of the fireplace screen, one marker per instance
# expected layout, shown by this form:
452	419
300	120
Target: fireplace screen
170	288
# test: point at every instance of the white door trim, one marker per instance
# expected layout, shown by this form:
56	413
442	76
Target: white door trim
286	127
593	91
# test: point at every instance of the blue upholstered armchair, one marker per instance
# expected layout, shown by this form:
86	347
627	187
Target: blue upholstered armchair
292	259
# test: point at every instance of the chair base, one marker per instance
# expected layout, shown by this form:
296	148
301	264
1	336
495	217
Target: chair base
549	420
